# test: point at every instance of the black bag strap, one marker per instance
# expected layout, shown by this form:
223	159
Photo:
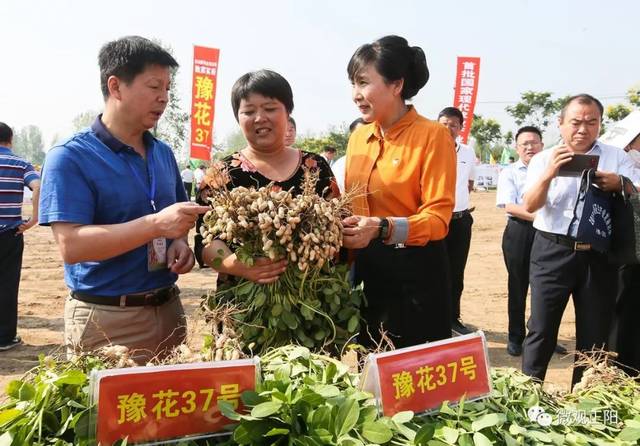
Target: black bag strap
627	183
585	184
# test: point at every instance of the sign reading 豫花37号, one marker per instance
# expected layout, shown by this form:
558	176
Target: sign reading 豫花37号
421	377
152	404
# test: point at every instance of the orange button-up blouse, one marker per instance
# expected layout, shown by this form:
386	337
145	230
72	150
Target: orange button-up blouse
409	173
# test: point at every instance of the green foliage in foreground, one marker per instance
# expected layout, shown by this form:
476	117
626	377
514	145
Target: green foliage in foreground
310	399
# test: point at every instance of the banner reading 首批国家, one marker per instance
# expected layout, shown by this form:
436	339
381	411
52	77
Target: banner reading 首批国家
467	76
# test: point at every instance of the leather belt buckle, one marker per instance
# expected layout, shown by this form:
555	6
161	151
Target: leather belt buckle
580	246
123	300
399	246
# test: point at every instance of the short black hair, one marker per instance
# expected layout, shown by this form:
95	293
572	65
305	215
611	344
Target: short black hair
293	121
394	59
264	82
356	122
329	149
582	98
129	56
6	134
452	112
528	129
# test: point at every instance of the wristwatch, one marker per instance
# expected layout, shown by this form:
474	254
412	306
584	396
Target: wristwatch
384	229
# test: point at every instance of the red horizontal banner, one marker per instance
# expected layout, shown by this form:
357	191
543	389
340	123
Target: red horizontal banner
147	404
420	378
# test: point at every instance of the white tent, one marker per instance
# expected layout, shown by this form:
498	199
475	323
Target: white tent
623	131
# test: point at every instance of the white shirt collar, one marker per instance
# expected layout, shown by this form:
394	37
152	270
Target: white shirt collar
520	165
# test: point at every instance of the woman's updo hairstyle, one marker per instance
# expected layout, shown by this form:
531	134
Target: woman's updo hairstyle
394	59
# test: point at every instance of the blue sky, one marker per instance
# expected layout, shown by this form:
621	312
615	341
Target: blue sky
50	73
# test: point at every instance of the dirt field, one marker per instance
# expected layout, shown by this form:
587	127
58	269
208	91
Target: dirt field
484	302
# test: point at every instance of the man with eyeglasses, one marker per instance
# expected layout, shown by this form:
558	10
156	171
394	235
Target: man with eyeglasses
518	234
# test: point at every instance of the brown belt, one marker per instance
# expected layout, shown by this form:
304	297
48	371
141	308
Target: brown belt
154	298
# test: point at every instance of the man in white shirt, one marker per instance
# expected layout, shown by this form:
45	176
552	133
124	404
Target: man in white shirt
560	264
518	234
187	179
198	175
458	239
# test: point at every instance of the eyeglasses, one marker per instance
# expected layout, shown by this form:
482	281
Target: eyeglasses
529	144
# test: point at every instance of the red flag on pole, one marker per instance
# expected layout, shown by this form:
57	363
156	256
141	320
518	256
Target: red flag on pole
205	72
467	77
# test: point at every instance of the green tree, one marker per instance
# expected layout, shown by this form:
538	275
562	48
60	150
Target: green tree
28	143
617	112
235	141
535	108
488	136
83	120
508	138
337	137
633	95
172	127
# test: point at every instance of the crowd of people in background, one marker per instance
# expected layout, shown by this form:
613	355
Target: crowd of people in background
120	210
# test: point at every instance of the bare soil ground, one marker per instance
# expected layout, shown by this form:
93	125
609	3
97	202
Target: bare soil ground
484	302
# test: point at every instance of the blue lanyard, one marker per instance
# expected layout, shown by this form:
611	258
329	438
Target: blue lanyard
150	192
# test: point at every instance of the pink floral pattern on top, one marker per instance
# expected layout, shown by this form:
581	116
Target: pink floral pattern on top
239	160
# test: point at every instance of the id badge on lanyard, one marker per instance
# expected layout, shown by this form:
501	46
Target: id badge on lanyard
156	248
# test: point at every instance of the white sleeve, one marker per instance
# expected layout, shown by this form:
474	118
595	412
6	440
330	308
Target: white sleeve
535	169
629	169
506	193
472	160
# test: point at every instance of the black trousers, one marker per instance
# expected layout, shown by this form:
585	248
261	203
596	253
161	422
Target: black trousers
187	187
556	272
407	291
11	248
458	241
517	240
626	328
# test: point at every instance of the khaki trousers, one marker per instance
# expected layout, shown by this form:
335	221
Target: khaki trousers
148	331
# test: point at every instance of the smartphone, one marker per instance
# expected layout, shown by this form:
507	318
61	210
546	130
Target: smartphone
578	164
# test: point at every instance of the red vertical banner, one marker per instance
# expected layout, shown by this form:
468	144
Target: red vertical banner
467	76
205	73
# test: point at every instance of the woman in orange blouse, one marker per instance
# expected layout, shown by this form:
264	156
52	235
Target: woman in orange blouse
404	168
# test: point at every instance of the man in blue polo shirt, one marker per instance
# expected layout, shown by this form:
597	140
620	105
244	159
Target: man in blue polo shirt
114	198
15	174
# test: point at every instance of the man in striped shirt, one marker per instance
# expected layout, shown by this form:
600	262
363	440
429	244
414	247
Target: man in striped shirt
15	174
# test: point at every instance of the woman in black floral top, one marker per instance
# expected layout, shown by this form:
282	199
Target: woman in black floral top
244	173
262	102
